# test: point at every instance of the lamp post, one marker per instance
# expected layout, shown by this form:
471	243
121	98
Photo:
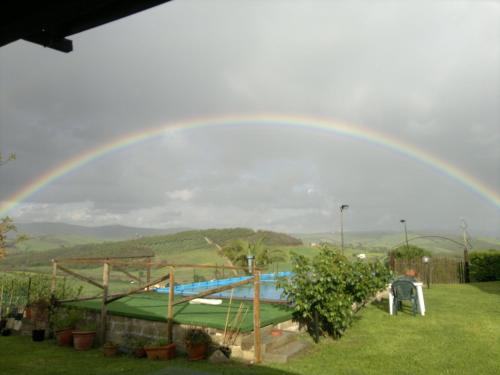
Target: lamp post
250	260
403	221
426	260
342	208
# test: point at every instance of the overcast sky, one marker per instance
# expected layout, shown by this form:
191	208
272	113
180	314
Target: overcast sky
427	73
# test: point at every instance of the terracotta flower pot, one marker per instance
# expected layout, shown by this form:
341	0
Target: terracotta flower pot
139	353
110	350
276	332
27	313
196	352
64	337
83	340
160	352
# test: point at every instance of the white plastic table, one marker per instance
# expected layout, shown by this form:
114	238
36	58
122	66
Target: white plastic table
420	295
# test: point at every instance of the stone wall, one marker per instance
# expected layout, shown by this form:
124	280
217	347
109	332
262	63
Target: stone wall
121	330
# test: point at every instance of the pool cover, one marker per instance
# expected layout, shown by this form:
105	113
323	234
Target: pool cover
153	306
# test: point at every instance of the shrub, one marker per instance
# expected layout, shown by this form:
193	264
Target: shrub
410	252
485	265
328	285
66	318
194	336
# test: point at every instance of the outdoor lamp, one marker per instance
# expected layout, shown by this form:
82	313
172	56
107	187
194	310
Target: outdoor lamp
426	260
250	259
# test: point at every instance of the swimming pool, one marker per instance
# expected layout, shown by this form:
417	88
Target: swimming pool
268	289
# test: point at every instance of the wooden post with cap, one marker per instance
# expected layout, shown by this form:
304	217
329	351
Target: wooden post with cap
104	306
171	292
256	318
53	284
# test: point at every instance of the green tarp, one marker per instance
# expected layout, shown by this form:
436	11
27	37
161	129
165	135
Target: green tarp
153	306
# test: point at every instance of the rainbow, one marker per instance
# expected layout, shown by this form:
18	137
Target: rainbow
355	132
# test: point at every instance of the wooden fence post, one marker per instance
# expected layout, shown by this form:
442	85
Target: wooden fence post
148	274
104	306
171	292
392	261
54	279
256	318
466	265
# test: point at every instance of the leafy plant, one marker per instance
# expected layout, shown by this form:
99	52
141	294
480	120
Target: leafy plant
485	265
324	289
157	343
40	309
237	251
194	336
410	252
86	326
66	318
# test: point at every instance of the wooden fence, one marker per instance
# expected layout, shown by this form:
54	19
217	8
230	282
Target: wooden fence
439	270
121	263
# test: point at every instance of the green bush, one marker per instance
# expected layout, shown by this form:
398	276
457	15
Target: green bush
410	252
63	318
328	285
485	265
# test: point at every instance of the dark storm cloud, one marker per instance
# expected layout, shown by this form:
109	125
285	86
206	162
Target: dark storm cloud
427	73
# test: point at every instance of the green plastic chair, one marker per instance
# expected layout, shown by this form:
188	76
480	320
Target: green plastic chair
404	277
404	290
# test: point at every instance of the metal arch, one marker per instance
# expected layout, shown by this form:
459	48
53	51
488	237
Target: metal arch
440	237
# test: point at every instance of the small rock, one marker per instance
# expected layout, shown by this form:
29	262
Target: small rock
218	357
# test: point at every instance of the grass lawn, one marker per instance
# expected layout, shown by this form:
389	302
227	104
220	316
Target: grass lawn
459	335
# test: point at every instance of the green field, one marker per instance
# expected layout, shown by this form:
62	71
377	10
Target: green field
460	334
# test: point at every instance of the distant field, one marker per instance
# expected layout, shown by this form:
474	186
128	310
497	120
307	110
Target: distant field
48	242
382	242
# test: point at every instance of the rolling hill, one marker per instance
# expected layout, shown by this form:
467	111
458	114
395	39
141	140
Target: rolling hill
107	232
178	246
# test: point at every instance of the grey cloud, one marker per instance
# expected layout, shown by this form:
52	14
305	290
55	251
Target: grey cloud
426	73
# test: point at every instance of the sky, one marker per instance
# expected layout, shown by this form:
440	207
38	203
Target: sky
425	73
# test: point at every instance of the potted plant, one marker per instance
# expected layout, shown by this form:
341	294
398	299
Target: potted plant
83	336
197	341
40	313
110	349
160	350
64	321
137	347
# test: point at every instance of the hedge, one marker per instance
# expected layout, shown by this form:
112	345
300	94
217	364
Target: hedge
485	265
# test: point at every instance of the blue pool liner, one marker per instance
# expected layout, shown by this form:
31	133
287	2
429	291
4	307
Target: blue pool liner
193	288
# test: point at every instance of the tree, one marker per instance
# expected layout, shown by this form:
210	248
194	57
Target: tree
6	223
324	289
410	252
6	226
238	251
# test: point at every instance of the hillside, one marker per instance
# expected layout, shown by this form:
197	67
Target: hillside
384	241
182	247
107	232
